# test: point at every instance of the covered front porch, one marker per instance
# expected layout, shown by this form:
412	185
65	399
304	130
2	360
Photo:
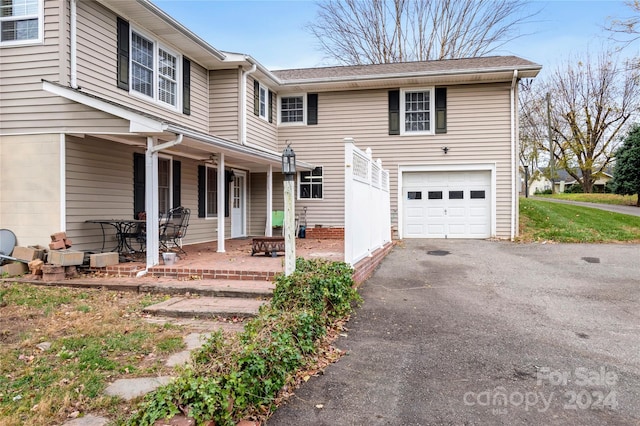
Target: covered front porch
204	261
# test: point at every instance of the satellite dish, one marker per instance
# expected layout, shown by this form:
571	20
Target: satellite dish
7	242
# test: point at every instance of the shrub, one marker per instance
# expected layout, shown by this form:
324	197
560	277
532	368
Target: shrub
236	375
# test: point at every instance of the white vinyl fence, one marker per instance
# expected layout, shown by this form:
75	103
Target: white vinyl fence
367	213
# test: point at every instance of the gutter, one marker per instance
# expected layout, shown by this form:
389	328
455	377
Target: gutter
514	199
243	103
73	41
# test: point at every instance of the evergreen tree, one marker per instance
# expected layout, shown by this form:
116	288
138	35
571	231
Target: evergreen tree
626	175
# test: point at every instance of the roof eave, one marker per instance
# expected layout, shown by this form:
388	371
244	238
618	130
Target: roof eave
523	72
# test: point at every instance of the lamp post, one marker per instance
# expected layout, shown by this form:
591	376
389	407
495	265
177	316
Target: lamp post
526	181
289	170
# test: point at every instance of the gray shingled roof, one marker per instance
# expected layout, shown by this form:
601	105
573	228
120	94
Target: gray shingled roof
426	67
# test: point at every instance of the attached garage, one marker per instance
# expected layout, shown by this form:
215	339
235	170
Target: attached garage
447	204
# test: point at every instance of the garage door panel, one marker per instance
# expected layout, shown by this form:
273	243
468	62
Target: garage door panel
453	204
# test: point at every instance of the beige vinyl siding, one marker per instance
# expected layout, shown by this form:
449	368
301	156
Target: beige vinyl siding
25	107
259	131
30	188
99	185
257	214
223	98
97	67
478	131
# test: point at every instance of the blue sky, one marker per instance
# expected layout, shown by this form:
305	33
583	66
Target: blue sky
273	31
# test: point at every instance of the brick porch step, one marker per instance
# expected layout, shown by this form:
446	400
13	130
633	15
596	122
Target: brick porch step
206	307
213	288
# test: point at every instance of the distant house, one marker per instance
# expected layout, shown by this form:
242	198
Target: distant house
112	107
564	181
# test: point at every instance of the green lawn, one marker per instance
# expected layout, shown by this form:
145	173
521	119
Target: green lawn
544	221
625	200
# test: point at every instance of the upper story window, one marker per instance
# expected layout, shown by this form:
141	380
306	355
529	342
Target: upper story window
421	111
298	109
416	111
292	109
147	69
263	100
20	22
310	184
263	95
154	70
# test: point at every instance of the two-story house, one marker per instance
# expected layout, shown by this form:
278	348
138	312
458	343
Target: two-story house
111	107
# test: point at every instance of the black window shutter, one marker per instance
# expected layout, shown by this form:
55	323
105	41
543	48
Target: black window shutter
176	183
186	86
227	192
441	110
123	54
202	191
394	112
312	108
271	106
256	97
138	184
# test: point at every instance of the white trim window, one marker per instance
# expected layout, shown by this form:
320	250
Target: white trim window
212	192
155	71
292	109
417	111
310	184
20	22
263	96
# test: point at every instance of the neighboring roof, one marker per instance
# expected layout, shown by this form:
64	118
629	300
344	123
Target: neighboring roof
447	66
563	175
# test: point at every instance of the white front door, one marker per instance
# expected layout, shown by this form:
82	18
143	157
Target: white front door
238	191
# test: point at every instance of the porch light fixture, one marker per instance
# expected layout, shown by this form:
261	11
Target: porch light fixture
288	163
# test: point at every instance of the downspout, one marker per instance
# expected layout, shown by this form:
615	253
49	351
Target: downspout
514	194
151	200
73	48
243	104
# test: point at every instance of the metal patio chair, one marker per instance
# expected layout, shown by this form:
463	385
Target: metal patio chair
174	228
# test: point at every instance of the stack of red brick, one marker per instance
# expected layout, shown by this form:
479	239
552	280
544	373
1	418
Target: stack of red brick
59	241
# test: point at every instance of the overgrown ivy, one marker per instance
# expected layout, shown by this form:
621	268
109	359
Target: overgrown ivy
233	376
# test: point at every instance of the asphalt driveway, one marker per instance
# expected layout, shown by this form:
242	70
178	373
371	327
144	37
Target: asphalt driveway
480	332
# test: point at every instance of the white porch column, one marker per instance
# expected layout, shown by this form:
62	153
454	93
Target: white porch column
222	189
268	230
151	203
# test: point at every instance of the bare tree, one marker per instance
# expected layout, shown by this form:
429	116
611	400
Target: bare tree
593	102
531	106
356	32
626	30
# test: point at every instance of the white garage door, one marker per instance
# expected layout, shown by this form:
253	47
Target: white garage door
446	204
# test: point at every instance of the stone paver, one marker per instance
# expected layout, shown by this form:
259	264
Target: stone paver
206	307
87	421
132	388
212	288
192	341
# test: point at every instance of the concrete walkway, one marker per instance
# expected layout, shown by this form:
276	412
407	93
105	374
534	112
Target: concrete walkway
630	210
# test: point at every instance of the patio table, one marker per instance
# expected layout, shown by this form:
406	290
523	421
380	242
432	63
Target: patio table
123	228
